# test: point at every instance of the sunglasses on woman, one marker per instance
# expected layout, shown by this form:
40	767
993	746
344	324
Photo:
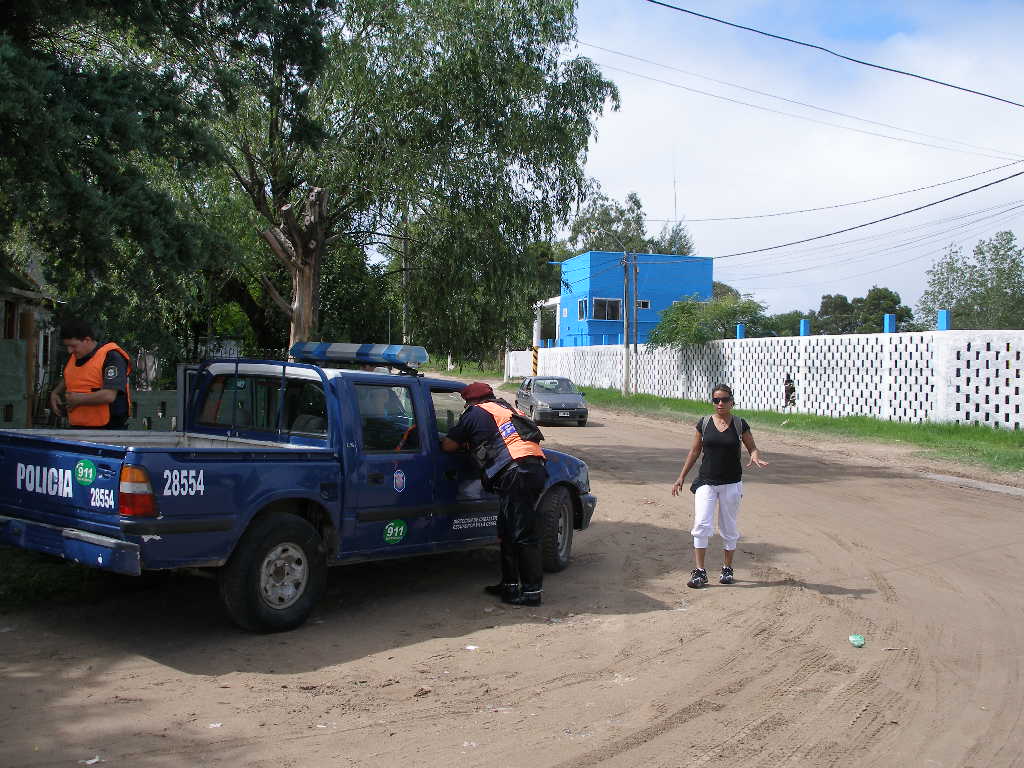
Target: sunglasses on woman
717	400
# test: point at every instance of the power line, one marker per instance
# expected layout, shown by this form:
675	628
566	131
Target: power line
970	226
869	223
689	220
793	101
803	117
838	55
798	254
870	271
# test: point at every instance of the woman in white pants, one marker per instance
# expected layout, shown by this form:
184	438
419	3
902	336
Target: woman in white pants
719	482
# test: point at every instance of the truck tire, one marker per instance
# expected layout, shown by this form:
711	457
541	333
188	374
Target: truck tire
276	575
556	516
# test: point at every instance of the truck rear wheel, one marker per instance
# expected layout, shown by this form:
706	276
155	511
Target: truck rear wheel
556	516
275	576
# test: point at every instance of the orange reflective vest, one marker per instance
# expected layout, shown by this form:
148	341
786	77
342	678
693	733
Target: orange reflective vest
506	446
89	378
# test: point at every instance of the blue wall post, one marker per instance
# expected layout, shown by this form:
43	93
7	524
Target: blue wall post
805	327
888	323
741	331
945	320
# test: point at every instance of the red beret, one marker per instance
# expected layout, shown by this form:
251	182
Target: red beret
476	390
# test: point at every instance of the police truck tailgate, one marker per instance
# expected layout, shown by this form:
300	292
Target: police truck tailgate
62	498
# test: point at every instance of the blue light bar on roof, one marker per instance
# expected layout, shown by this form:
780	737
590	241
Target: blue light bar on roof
370	354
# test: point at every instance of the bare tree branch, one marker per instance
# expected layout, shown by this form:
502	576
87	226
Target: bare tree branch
281	303
280	247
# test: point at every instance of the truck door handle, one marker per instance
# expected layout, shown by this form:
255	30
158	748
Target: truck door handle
376	478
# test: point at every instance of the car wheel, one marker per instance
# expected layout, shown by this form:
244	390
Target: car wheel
582	422
276	575
556	518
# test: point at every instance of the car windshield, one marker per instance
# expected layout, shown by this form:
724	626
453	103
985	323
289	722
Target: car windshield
555	386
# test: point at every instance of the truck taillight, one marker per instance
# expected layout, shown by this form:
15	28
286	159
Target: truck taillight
136	496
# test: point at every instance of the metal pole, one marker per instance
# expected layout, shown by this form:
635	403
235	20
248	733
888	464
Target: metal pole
405	276
625	324
636	324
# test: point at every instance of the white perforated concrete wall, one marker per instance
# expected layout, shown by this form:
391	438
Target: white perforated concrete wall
959	376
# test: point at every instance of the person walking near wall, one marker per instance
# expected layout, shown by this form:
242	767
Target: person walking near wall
514	469
94	392
719	482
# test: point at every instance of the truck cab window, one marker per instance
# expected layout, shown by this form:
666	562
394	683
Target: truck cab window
387	418
305	408
245	402
448	407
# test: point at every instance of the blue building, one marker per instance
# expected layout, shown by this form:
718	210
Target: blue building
590	308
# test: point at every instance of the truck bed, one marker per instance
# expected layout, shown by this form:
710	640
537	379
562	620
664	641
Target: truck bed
149	439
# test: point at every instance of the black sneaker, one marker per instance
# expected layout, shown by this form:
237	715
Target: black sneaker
698	578
726	577
501	589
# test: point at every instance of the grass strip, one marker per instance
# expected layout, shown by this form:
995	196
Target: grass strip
997	449
469	371
29	577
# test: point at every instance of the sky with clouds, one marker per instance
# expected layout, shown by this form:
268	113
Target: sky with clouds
693	156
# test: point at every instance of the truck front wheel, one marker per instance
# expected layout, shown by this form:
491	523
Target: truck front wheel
275	576
556	515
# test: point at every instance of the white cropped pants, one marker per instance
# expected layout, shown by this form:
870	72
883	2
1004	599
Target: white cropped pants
727	498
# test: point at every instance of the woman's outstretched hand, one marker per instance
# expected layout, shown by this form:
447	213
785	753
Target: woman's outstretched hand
755	459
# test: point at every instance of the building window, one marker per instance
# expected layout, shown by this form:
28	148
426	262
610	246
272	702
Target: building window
643	304
581	309
607	309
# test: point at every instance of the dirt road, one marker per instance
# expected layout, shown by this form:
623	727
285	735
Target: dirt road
409	663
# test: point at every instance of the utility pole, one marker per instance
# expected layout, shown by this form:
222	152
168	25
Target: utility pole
636	324
625	324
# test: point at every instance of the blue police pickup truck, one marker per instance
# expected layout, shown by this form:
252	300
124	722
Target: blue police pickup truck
278	470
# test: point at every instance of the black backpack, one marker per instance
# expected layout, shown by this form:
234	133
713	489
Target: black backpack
525	426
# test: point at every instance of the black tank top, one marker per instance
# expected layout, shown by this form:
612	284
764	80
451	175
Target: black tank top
720	463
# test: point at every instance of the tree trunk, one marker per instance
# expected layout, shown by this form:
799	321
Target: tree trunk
299	247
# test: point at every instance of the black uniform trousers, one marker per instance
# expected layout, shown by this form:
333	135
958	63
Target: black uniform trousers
519	486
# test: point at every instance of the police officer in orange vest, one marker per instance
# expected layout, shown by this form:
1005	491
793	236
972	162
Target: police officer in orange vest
514	469
94	391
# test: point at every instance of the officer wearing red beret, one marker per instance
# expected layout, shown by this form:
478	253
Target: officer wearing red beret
514	469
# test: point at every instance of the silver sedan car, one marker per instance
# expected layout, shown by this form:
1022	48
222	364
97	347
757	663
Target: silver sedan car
551	399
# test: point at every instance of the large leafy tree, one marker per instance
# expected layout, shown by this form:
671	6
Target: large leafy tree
835	315
77	129
984	289
604	224
863	314
696	322
674	238
346	125
869	310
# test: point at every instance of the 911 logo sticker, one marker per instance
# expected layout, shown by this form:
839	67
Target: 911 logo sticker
395	531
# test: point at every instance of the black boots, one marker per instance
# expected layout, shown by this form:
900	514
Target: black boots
512	594
529	595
